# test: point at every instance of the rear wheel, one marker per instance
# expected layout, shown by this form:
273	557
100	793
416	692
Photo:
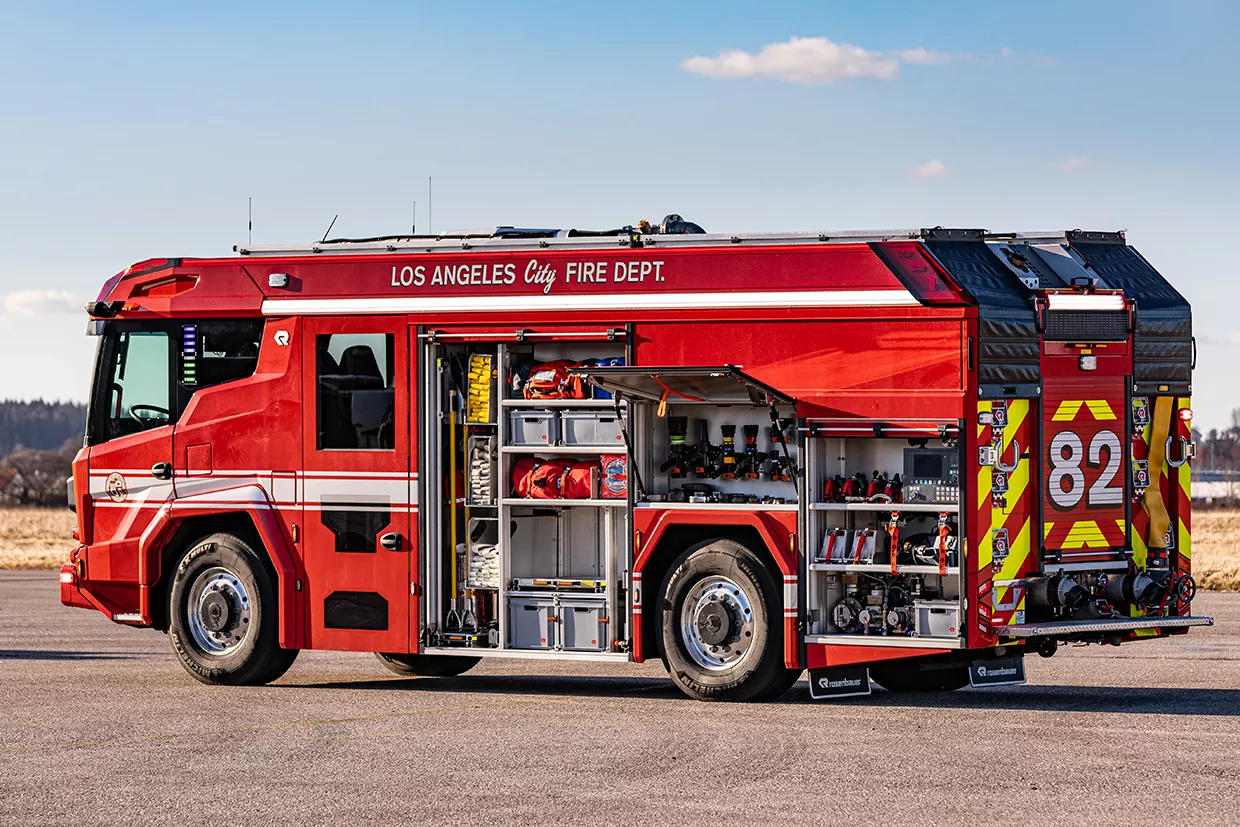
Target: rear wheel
427	666
722	638
920	675
224	615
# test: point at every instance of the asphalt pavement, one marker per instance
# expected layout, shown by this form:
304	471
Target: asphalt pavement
100	725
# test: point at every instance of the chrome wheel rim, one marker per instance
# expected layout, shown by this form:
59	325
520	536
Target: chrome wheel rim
717	623
218	611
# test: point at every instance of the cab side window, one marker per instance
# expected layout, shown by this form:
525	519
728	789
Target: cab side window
214	352
356	391
137	391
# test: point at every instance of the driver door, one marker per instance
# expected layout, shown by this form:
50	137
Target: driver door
130	457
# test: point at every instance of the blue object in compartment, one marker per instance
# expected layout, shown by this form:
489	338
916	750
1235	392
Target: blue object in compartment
615	361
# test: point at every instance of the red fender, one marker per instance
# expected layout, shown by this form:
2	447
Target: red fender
776	528
278	545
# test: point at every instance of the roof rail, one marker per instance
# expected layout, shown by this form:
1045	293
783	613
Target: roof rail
513	239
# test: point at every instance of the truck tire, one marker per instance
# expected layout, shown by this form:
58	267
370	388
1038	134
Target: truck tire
723	636
426	666
920	675
224	615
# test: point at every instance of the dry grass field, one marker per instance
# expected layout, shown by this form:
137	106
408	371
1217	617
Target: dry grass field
38	538
35	538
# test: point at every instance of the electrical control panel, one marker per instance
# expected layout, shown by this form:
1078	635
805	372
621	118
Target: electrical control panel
931	475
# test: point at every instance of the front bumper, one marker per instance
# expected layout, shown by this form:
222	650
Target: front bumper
70	595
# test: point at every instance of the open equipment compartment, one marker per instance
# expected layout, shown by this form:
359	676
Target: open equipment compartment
707	436
538	566
875	490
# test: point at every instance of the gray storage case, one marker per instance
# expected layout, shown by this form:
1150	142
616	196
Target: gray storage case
593	428
530	623
533	428
583	624
937	618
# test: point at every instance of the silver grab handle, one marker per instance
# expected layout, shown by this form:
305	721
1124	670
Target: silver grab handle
1183	453
1007	469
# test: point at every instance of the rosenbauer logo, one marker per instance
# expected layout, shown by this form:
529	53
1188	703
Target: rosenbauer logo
997	671
842	683
543	275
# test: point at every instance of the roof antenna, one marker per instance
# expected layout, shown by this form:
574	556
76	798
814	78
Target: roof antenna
329	228
413	230
251	222
430	207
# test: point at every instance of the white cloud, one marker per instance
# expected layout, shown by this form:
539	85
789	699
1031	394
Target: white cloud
933	168
923	57
41	302
799	60
1073	164
817	60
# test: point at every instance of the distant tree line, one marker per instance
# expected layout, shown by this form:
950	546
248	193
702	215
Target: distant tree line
37	442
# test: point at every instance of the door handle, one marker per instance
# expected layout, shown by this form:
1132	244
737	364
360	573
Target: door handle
162	470
390	541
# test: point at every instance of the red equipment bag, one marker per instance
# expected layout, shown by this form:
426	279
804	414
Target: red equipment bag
579	480
552	380
546	481
523	475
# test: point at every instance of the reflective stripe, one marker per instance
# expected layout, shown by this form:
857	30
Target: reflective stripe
586	301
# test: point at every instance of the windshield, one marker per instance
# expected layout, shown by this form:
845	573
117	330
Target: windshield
136	389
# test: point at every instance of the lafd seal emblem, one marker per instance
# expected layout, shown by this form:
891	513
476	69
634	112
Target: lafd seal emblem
116	487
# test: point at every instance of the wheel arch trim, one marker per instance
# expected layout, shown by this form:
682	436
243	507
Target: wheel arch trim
773	533
250	500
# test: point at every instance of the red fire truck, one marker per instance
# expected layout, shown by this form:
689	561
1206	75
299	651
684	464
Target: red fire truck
906	456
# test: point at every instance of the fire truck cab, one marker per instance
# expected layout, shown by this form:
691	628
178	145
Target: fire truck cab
912	456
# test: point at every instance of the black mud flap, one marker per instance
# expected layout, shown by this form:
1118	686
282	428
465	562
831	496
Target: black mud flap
839	682
997	672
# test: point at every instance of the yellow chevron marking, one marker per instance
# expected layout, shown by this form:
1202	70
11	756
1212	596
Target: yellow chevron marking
1140	551
1100	408
1186	543
1018	409
1018	481
1066	412
985	551
1085	533
984	484
1019	553
1046	529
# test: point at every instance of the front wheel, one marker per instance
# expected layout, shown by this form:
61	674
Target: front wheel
722	637
224	616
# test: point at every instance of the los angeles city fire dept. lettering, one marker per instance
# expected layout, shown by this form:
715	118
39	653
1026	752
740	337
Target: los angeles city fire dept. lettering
542	274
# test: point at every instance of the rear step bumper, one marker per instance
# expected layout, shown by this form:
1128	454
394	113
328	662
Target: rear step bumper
1090	627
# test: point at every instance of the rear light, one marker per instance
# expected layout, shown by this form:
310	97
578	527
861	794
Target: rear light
1085	301
917	270
1089	363
1186	414
68	577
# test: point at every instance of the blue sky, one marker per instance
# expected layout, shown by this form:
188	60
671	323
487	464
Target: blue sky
129	131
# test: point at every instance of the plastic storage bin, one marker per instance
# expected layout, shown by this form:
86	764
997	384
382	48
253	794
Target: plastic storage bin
533	428
591	428
583	624
937	618
530	623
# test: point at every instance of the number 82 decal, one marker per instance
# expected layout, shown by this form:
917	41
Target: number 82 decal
1068	459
